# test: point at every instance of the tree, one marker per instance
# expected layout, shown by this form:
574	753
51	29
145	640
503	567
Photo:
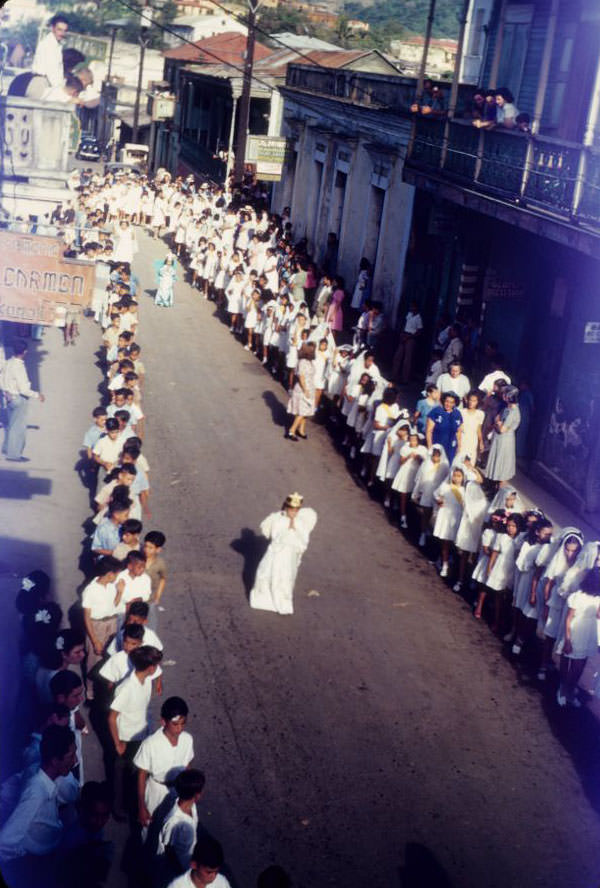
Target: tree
408	15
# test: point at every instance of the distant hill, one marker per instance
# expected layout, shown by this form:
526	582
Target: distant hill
409	15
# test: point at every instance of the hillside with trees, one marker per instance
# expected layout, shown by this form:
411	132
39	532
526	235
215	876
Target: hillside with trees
398	17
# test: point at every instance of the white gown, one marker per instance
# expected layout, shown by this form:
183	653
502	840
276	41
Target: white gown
274	584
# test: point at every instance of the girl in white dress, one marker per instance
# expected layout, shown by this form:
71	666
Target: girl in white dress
389	461
126	244
579	639
340	362
410	456
528	598
210	270
322	359
474	514
251	319
357	397
158	219
450	498
432	472
294	343
147	206
184	217
501	566
478	577
555	592
235	297
471	442
384	417
288	532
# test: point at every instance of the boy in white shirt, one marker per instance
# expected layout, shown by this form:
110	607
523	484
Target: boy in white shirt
128	722
177	836
138	613
133	583
207	860
119	665
99	614
106	450
161	757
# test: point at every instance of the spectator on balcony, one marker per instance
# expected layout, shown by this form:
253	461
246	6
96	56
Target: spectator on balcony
506	110
523	123
48	58
488	119
431	103
476	110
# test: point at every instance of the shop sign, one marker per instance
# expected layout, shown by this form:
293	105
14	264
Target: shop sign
37	284
268	154
591	333
498	288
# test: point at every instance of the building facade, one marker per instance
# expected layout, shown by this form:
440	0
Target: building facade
348	131
513	219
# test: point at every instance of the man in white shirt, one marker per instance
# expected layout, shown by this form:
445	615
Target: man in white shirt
403	358
35	826
48	58
454	381
17	390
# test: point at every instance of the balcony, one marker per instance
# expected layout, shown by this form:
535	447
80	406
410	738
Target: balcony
542	174
35	140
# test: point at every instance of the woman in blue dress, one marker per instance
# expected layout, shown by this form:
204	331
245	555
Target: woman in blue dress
444	426
167	275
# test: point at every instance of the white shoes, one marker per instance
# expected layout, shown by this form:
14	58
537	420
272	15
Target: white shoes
403	523
386	503
516	648
444	570
457	586
247	348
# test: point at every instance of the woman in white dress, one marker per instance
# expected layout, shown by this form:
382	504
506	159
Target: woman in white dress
158	219
556	590
579	639
471	442
322	363
288	532
450	498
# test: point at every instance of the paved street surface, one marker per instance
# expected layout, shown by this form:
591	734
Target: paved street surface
380	714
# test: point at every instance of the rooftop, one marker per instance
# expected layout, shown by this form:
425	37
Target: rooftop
303	41
229	48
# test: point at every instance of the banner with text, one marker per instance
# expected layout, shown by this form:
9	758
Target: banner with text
37	282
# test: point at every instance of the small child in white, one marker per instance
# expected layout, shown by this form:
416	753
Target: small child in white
177	836
450	497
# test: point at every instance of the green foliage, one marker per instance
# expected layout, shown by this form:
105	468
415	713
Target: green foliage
24	32
398	16
280	19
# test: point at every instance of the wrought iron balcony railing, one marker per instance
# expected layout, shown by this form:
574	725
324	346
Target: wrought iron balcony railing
559	177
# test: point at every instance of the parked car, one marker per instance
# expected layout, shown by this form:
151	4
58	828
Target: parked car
89	148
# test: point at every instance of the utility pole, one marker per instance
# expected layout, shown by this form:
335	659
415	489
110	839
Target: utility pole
245	98
146	24
426	42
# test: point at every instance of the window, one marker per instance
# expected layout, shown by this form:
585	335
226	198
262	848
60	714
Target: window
515	40
476	33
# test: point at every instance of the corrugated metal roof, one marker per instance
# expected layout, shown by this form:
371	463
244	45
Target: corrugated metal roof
229	47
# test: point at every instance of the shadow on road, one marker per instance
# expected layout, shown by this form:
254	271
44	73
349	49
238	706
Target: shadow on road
21	486
422	869
252	547
279	414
